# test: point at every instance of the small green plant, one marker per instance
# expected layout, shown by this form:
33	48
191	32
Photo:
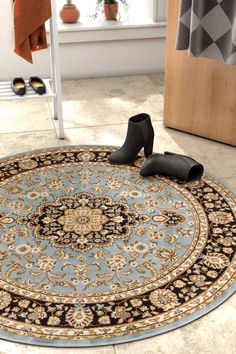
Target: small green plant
112	2
69	3
100	3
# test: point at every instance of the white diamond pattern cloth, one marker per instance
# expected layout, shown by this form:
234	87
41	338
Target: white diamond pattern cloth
207	28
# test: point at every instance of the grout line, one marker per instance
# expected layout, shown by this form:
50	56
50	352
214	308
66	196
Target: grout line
79	127
228	177
52	117
28	131
106	125
49	108
212	160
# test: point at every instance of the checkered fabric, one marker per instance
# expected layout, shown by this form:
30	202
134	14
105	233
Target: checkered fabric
207	28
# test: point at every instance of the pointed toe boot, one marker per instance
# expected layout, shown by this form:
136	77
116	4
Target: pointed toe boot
171	164
140	134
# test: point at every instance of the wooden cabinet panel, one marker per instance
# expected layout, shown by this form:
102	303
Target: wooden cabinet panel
200	94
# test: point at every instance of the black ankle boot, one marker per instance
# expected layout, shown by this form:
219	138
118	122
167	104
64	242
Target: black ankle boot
171	164
140	135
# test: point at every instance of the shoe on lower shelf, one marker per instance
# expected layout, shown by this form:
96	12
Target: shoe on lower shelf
37	85
18	86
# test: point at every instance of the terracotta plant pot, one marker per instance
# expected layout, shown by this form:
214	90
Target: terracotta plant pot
111	11
69	14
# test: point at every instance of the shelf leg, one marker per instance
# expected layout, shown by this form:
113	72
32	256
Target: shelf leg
55	70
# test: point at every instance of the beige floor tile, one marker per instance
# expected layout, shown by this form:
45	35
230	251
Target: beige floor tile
19	142
231	182
221	156
105	135
165	140
109	101
27	115
197	148
171	140
130	87
115	135
211	334
158	81
16	348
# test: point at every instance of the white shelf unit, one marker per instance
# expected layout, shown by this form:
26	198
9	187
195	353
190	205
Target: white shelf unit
7	94
53	84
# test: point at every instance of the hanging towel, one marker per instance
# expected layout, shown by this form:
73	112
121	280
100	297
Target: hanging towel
207	28
29	26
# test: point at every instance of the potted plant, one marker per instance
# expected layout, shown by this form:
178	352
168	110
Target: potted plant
69	13
110	8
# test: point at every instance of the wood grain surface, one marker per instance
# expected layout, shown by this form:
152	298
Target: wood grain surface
200	94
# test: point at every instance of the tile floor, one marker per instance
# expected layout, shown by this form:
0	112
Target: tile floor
96	112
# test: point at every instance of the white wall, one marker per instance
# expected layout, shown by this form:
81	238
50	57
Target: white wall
112	58
83	59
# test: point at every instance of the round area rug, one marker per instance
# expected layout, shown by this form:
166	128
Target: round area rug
94	254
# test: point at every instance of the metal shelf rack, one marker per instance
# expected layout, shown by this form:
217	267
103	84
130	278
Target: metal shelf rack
53	84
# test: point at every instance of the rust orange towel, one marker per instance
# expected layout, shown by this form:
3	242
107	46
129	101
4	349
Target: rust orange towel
29	26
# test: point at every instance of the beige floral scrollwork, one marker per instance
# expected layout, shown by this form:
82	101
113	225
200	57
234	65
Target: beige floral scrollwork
220	217
216	260
5	299
79	317
165	299
82	220
27	164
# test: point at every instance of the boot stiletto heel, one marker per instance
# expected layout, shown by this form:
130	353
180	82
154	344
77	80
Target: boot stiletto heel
148	148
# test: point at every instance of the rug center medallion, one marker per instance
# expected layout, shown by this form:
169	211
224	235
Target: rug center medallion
82	222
